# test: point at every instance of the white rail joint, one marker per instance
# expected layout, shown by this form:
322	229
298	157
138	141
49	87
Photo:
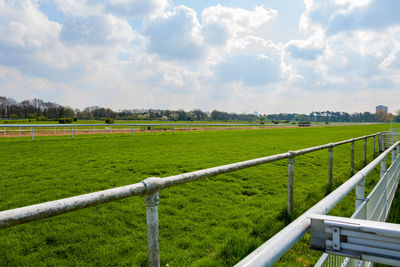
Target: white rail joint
153	184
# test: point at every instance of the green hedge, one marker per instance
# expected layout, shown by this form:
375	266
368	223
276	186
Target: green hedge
65	120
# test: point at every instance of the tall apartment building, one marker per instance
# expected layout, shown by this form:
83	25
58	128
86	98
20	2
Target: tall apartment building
381	107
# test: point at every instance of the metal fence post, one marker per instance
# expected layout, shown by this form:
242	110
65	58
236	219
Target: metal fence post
152	201
365	151
398	150
32	132
291	161
393	155
360	190
153	186
383	167
19	131
373	146
105	131
330	149
383	142
379	142
72	132
386	142
352	157
392	139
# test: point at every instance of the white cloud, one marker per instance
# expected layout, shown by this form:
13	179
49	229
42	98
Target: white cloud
175	34
80	8
22	25
96	30
306	53
252	67
345	15
222	23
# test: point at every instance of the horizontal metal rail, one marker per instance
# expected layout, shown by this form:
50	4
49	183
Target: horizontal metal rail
269	252
97	128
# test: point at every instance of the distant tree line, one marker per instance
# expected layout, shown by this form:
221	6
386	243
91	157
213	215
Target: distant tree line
42	110
330	116
33	109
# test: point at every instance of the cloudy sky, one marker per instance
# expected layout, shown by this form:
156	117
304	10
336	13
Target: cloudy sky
238	56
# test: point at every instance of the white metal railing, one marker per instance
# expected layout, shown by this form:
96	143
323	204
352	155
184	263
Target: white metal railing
151	187
104	129
274	248
375	206
33	130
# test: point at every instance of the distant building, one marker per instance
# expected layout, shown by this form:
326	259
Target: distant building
382	108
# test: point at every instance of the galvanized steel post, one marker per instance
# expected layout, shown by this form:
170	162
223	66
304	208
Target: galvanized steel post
105	131
383	167
392	138
393	156
382	142
352	157
386	142
153	186
360	191
373	146
291	161
32	132
365	151
330	180
19	131
72	132
398	150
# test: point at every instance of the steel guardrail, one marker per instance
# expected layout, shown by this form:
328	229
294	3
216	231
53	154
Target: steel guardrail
269	252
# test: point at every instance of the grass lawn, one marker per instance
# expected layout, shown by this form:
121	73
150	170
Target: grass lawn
211	222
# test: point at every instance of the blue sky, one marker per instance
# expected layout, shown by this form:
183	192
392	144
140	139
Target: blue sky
237	56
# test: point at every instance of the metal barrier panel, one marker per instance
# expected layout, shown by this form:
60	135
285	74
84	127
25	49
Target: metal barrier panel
375	207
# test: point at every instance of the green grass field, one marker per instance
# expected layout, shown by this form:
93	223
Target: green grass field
211	222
